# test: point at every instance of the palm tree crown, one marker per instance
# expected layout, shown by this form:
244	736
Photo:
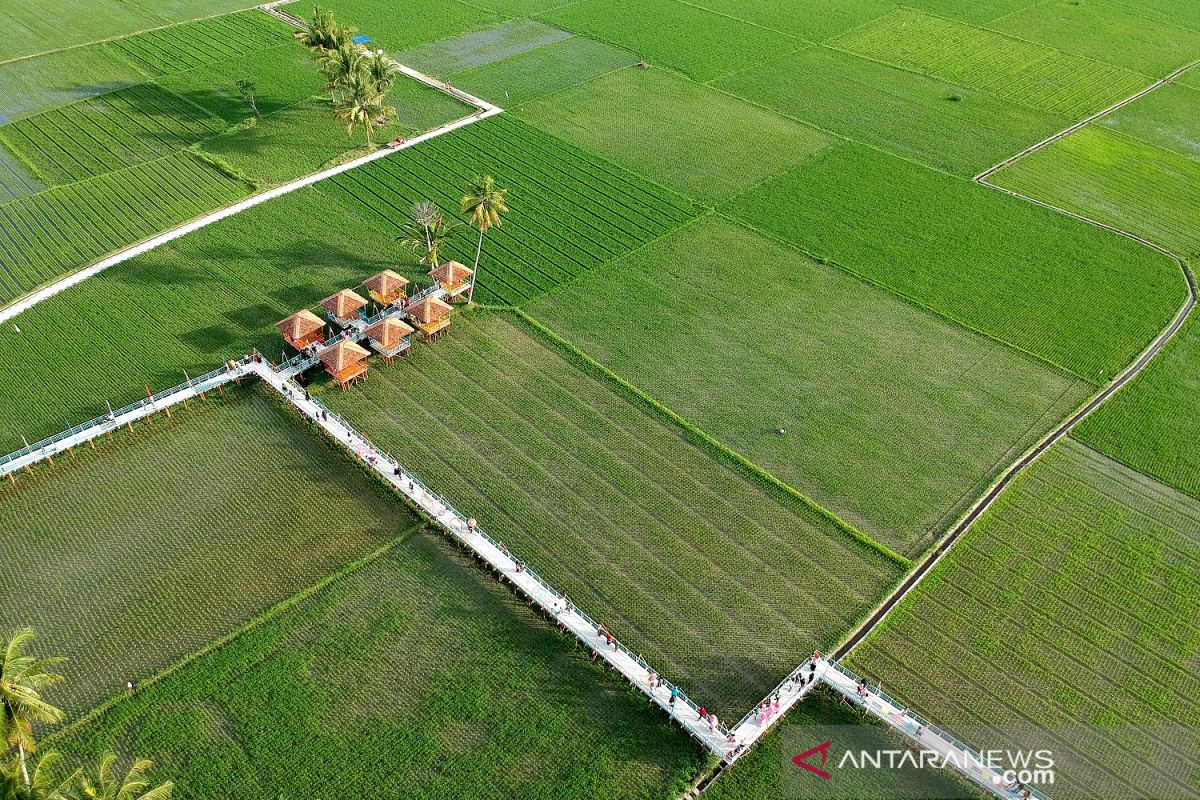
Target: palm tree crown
483	206
109	785
23	678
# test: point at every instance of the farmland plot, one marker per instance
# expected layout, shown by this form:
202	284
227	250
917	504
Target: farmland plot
945	126
699	141
129	557
197	44
1185	15
58	230
1024	72
1168	117
721	581
1103	32
699	43
460	53
569	211
542	71
977	12
32	85
187	305
890	420
1075	599
108	132
398	25
1079	297
15	178
811	19
413	676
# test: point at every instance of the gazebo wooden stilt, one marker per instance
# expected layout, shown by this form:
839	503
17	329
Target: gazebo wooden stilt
430	316
390	337
346	362
454	278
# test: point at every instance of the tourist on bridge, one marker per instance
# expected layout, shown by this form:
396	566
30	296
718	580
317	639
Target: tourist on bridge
862	690
675	694
652	679
713	723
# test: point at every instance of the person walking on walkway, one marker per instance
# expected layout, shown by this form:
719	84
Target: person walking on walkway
713	723
675	694
862	690
652	679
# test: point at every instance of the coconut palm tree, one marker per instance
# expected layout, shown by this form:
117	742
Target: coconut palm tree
361	104
322	32
426	235
424	212
483	206
382	69
107	784
44	783
22	680
340	66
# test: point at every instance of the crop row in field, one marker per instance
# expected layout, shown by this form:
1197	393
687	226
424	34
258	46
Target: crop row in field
208	41
48	234
15	178
1074	601
470	50
722	582
1077	296
699	43
108	132
1166	118
889	420
186	305
542	71
401	24
413	676
129	557
937	123
32	85
1021	71
569	212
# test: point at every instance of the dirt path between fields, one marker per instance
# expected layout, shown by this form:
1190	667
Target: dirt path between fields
1065	427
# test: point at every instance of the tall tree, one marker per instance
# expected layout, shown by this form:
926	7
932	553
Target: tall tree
322	32
427	233
23	678
483	206
247	89
362	104
108	784
341	66
382	69
45	783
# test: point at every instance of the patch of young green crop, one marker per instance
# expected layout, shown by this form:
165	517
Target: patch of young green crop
700	142
1183	14
33	85
699	43
109	132
1015	69
1106	33
412	676
1167	117
888	419
56	231
977	12
569	212
128	557
686	558
542	71
1075	295
208	41
400	24
1074	600
815	20
1119	180
16	179
470	50
945	126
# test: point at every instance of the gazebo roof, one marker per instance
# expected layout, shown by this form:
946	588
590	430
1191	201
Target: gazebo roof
342	355
300	324
429	309
451	272
386	282
389	331
343	304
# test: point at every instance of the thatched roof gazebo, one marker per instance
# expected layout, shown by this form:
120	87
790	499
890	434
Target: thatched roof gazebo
302	329
345	361
390	337
387	287
453	277
344	306
430	316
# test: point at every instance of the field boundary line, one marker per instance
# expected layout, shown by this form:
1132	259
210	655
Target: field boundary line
856	637
484	110
702	438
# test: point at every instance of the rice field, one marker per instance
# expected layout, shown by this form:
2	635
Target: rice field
1014	69
569	211
37	84
699	43
815	20
701	142
1165	118
16	179
542	71
1074	601
413	676
123	573
201	43
45	235
397	25
890	421
720	580
470	50
944	126
108	132
1074	295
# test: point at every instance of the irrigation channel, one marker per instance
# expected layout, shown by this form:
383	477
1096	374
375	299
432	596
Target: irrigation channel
726	742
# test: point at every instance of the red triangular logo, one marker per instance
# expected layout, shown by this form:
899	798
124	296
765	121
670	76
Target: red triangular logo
802	759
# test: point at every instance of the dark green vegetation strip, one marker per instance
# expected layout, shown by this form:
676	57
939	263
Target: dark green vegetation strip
130	556
56	231
1075	599
197	44
569	212
722	581
1079	297
409	677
